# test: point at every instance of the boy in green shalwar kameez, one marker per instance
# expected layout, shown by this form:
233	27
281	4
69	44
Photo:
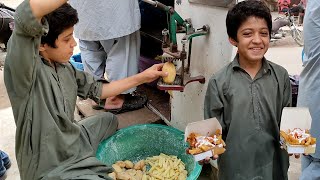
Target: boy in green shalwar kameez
247	97
43	88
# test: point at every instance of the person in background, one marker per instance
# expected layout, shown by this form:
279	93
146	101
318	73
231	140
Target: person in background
309	86
298	8
283	5
247	97
109	41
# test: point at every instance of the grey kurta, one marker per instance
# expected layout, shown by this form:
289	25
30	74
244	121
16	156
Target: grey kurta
104	20
309	85
249	112
49	143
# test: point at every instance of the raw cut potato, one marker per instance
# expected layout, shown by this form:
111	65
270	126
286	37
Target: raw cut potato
112	175
121	164
124	176
139	165
171	69
117	168
129	164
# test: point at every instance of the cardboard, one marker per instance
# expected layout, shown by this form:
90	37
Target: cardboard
296	117
204	127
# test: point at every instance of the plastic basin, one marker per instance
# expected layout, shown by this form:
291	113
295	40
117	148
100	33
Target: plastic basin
141	141
76	61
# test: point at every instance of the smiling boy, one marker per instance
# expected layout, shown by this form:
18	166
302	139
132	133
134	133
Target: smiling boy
247	97
43	86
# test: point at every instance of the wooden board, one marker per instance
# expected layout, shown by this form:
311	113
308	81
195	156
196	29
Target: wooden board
140	116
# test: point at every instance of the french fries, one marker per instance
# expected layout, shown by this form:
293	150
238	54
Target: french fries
298	136
161	167
166	167
201	144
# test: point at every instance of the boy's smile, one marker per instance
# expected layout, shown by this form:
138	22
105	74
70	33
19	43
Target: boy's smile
252	40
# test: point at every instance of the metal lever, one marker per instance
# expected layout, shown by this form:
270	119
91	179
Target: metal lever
157	4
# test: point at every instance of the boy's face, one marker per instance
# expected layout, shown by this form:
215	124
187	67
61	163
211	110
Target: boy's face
64	47
253	40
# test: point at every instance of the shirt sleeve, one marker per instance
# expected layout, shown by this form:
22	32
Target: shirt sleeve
213	106
23	49
88	87
287	94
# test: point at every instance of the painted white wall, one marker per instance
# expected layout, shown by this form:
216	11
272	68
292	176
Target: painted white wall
209	54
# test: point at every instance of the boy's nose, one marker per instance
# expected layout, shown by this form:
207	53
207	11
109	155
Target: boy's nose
74	43
257	38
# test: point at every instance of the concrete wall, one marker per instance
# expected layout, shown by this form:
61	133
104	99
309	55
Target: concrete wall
209	54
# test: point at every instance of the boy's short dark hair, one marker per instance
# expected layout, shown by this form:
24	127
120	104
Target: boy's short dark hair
59	20
242	11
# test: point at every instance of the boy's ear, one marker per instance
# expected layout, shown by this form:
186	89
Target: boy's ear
233	42
42	48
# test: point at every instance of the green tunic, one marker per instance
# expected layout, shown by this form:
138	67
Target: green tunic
49	143
249	111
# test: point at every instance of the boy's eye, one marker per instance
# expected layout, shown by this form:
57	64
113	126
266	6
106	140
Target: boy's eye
247	33
265	33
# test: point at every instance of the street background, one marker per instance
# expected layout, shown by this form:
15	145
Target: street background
284	52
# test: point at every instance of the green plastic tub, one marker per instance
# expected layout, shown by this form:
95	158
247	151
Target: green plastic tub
141	141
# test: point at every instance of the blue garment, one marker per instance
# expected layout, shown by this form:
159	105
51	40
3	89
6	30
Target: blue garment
310	167
309	87
4	163
2	169
5	159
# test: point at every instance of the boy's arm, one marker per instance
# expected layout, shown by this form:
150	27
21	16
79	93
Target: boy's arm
213	105
116	87
287	98
41	8
22	58
89	88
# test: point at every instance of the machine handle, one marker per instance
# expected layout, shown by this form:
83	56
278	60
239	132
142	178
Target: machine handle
157	4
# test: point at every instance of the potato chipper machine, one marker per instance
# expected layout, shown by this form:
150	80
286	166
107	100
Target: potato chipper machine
170	47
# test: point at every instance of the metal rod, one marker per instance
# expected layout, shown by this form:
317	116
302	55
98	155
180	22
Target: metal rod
189	56
182	71
154	3
153	37
157	4
6	7
158	113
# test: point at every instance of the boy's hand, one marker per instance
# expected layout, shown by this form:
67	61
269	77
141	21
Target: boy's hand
153	73
297	156
207	159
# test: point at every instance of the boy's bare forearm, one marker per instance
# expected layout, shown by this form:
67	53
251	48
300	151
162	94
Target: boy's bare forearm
41	8
116	87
